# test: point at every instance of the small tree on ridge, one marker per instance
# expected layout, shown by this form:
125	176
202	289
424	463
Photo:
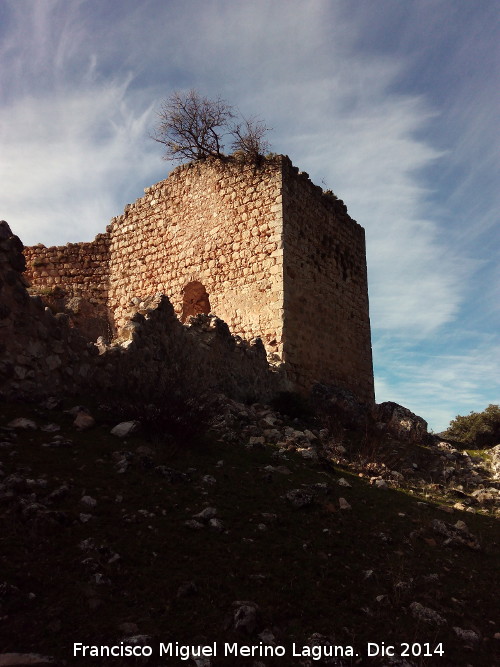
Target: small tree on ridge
248	138
478	429
192	127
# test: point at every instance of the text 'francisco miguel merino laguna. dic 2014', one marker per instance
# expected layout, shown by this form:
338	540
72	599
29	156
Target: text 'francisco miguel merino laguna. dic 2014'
316	652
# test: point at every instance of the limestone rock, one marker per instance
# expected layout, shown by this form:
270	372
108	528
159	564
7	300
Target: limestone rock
245	617
88	501
206	514
494	454
83	421
426	614
124	429
400	421
23	423
216	524
344	505
457	534
466	635
299	498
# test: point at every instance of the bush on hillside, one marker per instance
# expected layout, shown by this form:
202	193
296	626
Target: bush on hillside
478	429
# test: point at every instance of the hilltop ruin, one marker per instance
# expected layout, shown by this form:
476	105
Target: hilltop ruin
259	246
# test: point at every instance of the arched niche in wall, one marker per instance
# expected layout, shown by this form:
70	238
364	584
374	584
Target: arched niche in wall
194	300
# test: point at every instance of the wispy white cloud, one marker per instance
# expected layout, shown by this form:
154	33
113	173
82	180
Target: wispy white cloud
71	148
440	383
66	184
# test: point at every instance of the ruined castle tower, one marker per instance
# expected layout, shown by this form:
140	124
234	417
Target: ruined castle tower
259	246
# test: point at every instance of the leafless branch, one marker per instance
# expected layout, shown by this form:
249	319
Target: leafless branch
249	138
192	127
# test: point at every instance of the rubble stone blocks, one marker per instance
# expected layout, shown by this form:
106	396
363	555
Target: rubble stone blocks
258	245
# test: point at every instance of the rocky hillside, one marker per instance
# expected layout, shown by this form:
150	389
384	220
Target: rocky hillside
166	531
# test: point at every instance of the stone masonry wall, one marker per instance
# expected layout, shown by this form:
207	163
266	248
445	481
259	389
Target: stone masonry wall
41	355
327	327
258	245
209	237
74	279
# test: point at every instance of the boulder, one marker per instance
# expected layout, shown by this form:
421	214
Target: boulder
400	422
123	429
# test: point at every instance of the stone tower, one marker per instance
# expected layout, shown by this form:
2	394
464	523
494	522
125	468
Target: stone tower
261	247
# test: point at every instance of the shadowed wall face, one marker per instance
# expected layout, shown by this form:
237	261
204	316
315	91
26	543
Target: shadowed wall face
326	326
74	279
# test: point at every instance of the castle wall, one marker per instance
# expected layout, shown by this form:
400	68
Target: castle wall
258	245
41	355
327	327
73	279
214	224
39	352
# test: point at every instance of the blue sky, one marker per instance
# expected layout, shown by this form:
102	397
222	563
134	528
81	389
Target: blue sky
391	104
